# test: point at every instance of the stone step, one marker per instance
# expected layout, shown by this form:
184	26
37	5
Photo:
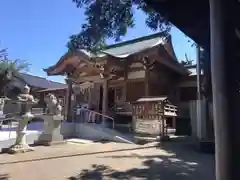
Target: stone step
79	141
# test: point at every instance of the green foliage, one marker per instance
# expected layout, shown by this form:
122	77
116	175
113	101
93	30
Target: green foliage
14	66
110	19
8	70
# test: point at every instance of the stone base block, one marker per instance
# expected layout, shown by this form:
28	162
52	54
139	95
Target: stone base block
18	148
164	138
48	143
144	139
49	139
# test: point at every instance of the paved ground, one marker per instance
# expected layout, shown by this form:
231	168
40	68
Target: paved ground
171	161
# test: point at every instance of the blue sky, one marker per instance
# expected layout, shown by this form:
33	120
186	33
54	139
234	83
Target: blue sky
38	31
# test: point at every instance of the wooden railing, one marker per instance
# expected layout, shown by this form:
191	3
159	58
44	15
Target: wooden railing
123	108
126	108
170	110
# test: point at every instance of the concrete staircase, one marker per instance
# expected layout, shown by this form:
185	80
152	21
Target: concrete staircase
98	132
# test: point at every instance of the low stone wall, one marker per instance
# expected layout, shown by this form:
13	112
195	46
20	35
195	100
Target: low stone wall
67	129
88	131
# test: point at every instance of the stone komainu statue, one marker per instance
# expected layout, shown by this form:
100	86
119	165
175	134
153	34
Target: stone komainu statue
53	105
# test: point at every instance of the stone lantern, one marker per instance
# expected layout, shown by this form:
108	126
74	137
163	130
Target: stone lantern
26	100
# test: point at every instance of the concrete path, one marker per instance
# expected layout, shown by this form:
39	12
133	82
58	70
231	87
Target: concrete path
170	161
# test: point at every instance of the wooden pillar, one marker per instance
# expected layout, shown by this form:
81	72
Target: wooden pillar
148	65
201	114
125	84
146	84
69	100
225	84
174	122
105	97
162	120
198	73
90	96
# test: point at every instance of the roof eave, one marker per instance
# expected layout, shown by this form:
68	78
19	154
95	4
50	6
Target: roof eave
69	54
193	21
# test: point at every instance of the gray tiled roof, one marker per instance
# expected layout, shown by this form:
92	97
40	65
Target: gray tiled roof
127	48
40	82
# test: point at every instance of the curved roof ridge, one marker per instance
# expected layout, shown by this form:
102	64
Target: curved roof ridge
135	40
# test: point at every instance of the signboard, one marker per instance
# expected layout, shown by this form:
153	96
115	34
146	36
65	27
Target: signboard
148	127
148	114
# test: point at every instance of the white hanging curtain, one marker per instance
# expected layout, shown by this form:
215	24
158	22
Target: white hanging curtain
83	87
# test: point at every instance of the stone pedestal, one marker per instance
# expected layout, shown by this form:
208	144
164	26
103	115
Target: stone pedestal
51	134
20	145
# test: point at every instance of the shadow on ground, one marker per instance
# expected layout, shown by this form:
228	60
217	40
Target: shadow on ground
185	164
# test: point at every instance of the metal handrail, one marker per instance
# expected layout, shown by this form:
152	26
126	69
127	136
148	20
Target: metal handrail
100	114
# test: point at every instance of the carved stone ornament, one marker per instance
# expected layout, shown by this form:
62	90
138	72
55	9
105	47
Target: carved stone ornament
53	105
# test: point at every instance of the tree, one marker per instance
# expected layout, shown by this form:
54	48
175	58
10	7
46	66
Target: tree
9	69
15	66
110	19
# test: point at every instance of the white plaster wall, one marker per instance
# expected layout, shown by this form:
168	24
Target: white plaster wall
198	118
85	131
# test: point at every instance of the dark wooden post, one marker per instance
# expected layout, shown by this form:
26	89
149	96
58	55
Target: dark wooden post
125	65
105	96
225	83
161	119
69	100
146	82
199	97
148	66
